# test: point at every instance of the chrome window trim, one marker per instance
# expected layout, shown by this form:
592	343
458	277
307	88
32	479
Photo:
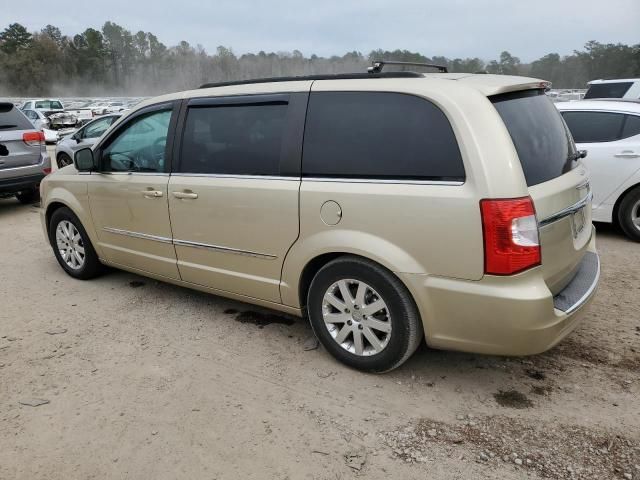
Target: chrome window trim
144	236
156	174
225	175
381	180
217	248
567	211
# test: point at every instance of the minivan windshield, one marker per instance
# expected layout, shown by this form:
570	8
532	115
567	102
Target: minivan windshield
543	142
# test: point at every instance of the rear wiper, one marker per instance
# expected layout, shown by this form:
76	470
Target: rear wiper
577	155
7	126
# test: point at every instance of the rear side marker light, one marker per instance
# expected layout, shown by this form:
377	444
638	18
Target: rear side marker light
47	170
33	139
510	230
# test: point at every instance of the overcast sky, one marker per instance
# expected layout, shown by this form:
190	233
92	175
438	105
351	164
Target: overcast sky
453	28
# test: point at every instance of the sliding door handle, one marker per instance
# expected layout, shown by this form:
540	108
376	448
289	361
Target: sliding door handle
152	193
185	195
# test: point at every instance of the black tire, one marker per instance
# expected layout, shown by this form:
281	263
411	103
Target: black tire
406	325
63	160
28	196
628	210
91	266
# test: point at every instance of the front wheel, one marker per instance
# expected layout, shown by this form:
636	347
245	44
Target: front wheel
629	214
363	315
71	245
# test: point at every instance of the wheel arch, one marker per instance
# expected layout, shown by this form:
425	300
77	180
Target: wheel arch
616	206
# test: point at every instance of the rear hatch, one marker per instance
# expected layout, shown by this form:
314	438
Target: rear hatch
557	182
14	152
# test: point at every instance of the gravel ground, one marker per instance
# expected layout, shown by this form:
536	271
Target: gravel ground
126	377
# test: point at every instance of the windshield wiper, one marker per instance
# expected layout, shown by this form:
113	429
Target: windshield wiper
7	126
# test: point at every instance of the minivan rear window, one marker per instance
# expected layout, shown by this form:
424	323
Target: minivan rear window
13	119
542	140
608	90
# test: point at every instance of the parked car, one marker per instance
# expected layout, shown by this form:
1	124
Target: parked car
387	207
23	158
52	119
610	132
82	138
44	105
620	88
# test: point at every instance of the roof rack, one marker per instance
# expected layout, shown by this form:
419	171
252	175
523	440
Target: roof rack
338	76
378	65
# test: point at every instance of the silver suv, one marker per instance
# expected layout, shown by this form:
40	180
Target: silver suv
23	157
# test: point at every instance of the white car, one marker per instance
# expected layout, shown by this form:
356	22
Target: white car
609	130
43	105
619	88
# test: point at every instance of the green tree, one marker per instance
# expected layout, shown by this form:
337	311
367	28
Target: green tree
14	38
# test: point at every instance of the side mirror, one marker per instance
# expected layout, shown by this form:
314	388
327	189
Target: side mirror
84	161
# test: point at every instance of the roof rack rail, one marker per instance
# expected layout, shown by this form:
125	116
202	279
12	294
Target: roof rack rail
337	76
378	65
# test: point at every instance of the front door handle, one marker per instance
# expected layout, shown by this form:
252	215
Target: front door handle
152	193
183	195
627	154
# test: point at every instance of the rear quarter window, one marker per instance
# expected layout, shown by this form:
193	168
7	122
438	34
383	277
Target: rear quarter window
13	119
377	135
544	145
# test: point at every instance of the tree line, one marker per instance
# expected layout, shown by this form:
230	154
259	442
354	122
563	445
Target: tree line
115	61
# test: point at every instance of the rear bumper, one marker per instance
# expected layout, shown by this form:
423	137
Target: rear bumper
17	184
515	315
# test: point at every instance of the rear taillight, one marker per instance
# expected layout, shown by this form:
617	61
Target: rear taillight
33	139
46	170
510	230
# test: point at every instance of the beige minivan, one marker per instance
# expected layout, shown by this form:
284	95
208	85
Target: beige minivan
386	207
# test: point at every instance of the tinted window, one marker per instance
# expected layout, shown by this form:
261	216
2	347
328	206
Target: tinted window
631	126
544	146
593	127
97	128
233	139
378	135
13	119
608	90
140	147
49	104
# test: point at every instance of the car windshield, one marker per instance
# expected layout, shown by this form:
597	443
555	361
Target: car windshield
51	104
608	90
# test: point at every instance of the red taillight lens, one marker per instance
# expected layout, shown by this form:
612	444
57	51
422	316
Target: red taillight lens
47	170
33	139
510	230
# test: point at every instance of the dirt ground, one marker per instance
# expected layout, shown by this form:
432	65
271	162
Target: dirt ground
140	379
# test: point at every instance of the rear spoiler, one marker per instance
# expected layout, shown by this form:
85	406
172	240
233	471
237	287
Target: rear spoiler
491	85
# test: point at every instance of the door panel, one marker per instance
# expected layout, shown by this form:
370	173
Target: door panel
128	197
131	218
235	234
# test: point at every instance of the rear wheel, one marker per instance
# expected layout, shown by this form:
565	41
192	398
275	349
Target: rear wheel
63	160
28	196
363	315
71	245
629	214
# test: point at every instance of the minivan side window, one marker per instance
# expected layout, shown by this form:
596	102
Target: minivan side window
378	135
233	139
140	146
594	127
